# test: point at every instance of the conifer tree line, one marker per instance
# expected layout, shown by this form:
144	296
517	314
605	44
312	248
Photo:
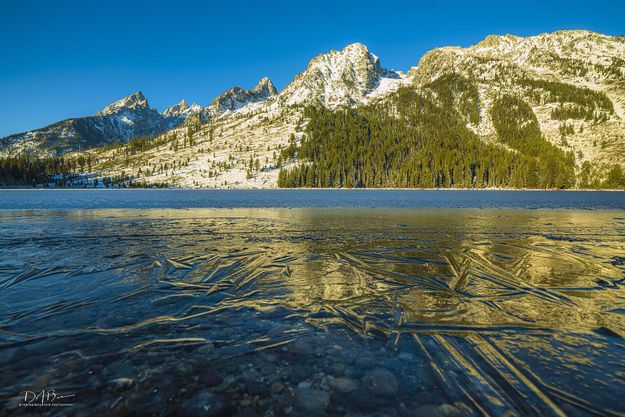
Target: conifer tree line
30	171
517	127
412	140
574	102
455	91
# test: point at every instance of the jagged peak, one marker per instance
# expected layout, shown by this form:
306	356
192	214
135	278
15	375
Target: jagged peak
559	36
356	46
494	40
134	101
181	109
265	87
236	97
352	52
338	78
232	90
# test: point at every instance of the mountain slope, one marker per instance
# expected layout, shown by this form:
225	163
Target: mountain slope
339	78
237	98
181	110
122	120
410	140
574	82
543	111
239	139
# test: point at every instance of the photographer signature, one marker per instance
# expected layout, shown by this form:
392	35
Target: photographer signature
46	398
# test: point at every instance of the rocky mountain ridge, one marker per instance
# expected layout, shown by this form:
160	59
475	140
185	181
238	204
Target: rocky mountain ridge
572	82
347	77
338	78
182	109
120	121
236	98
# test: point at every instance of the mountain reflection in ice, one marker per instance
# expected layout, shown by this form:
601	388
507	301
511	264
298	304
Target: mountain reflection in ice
472	312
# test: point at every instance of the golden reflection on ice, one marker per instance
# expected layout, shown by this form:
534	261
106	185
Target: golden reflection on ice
504	290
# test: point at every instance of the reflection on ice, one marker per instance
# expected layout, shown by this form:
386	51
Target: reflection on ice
313	311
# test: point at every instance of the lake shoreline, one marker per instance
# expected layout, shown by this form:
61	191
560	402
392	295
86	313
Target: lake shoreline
314	189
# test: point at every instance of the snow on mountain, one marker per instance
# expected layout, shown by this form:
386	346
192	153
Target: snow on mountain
239	125
122	120
130	117
387	86
263	90
351	76
574	55
242	125
338	78
237	98
550	71
182	109
590	47
134	102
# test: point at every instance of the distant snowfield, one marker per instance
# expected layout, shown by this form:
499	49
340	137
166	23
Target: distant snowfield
387	86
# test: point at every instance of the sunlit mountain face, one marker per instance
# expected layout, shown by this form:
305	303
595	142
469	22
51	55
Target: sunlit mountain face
543	111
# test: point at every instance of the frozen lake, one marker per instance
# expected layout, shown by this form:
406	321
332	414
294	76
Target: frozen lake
30	199
133	306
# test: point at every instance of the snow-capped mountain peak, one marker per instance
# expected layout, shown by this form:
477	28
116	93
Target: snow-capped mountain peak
587	66
568	55
264	88
338	78
181	109
236	97
122	120
135	101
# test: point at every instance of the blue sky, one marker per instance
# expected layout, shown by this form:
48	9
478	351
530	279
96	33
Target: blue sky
70	58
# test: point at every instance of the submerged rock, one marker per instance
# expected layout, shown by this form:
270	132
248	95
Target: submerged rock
299	373
448	410
277	331
423	397
343	385
205	404
311	400
362	399
366	362
206	349
381	382
277	387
